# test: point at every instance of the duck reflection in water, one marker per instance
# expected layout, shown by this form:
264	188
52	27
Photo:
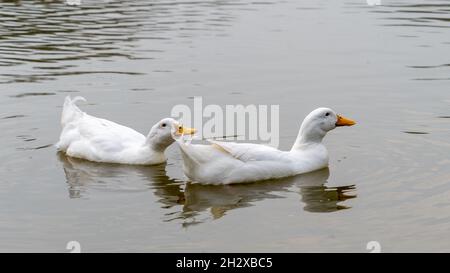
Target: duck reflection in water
311	186
192	200
83	176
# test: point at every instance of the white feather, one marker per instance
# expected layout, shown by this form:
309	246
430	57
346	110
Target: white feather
229	162
96	139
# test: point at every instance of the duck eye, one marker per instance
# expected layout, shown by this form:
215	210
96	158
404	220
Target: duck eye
327	114
163	125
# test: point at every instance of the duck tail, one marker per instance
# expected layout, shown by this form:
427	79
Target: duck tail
71	111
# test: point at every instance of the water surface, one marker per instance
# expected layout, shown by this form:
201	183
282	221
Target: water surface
388	67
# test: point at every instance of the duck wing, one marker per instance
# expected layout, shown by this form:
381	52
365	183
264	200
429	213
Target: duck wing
247	152
229	162
84	134
108	136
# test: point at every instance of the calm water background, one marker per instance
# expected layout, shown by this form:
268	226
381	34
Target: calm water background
388	67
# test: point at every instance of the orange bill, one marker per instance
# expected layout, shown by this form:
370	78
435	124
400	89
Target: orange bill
186	131
341	121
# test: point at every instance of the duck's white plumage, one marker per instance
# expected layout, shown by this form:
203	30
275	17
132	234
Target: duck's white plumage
96	139
229	162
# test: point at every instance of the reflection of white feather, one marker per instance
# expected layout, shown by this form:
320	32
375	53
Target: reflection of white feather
73	2
219	199
373	2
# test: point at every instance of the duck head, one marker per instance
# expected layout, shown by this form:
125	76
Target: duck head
318	123
161	134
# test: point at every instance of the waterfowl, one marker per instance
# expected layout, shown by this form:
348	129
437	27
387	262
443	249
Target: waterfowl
229	162
100	140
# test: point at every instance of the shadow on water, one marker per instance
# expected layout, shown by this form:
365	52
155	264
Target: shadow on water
196	203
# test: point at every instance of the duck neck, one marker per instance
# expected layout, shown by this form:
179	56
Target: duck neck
157	143
307	136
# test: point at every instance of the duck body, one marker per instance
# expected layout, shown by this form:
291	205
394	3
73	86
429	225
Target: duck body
229	162
100	140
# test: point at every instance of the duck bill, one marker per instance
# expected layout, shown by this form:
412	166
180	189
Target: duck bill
342	121
186	131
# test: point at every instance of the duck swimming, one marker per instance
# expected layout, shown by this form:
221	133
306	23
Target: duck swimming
96	139
230	162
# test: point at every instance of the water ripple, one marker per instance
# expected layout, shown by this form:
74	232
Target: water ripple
38	32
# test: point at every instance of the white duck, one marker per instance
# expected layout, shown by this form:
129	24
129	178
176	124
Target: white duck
229	162
95	139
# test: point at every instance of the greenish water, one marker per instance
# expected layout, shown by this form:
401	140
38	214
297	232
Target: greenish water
386	67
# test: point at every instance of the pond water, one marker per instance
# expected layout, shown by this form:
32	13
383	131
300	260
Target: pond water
387	67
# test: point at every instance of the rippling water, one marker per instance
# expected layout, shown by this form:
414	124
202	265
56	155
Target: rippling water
387	66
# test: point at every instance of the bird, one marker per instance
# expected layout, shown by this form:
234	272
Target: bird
100	140
221	163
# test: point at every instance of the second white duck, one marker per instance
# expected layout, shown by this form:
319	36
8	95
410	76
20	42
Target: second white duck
96	139
229	162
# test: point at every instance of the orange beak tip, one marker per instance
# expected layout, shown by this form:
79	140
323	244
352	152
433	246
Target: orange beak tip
342	121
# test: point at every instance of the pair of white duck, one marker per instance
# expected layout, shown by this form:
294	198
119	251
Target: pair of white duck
95	139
